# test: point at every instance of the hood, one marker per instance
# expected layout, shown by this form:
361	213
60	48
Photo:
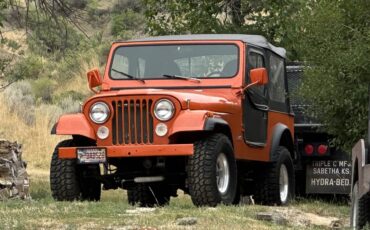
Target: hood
220	100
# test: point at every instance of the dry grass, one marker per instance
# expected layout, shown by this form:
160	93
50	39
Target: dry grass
36	140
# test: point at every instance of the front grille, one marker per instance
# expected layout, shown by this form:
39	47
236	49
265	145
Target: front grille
132	122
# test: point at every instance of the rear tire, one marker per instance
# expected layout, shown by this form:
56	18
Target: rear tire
212	173
145	195
275	185
90	186
360	210
68	181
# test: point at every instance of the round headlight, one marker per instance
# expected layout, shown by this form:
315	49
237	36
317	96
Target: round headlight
164	110
99	112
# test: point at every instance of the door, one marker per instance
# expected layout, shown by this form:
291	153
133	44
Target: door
255	103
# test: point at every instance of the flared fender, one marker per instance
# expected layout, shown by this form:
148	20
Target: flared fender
189	120
281	135
74	124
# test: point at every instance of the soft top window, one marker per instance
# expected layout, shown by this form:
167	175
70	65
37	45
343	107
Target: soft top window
156	61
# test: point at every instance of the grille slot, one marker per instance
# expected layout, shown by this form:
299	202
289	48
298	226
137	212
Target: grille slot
132	122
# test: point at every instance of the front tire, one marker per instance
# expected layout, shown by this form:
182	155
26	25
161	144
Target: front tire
69	181
212	173
275	184
359	208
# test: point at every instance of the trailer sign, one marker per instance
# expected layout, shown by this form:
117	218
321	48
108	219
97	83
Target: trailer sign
328	176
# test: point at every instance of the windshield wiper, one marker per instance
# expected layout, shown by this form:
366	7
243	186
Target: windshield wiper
181	77
128	75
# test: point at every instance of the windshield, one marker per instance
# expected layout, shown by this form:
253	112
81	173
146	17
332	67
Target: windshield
160	61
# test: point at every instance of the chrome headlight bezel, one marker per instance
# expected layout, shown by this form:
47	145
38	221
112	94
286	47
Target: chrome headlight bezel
104	108
164	105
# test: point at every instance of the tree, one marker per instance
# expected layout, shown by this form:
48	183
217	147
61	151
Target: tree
269	18
334	40
2	8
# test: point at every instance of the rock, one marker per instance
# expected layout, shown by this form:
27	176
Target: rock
187	221
273	217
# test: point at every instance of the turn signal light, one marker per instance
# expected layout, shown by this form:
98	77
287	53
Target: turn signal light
322	149
308	149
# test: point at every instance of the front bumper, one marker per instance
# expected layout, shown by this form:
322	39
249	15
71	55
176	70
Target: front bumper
135	151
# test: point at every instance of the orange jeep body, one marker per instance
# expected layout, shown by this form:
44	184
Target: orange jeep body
218	106
209	99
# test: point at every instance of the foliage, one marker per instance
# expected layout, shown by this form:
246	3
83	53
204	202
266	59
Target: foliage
47	37
20	101
29	67
80	4
43	89
128	20
136	6
3	5
178	17
335	42
270	18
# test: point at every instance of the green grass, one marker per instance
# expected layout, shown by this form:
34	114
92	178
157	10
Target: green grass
113	212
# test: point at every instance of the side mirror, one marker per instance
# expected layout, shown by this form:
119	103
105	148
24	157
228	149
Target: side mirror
258	76
94	79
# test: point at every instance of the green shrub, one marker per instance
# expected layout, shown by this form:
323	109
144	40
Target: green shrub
13	44
29	67
134	5
128	20
43	89
49	38
79	4
20	100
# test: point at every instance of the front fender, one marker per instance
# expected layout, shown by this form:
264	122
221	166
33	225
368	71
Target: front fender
74	124
189	120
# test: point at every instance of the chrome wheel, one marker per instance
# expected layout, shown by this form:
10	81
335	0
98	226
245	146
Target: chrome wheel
283	183
222	173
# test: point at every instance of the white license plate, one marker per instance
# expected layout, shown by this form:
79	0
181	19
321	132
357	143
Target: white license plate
91	155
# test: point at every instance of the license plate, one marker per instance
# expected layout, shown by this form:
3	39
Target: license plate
91	155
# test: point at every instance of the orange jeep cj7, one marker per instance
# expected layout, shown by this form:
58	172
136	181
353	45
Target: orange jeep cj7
208	114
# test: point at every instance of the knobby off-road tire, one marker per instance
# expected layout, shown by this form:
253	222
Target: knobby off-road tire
360	210
212	173
275	184
145	195
67	182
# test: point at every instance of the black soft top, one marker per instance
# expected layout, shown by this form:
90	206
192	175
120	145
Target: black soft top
256	40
